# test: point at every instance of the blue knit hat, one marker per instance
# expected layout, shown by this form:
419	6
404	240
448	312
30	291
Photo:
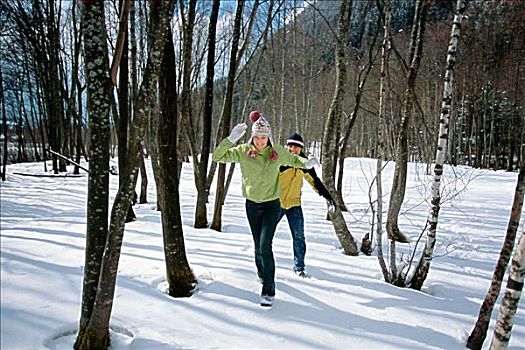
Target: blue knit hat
295	139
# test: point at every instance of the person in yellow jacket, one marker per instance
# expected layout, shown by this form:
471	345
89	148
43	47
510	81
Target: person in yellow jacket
291	181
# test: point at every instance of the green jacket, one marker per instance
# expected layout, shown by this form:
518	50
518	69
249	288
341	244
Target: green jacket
260	175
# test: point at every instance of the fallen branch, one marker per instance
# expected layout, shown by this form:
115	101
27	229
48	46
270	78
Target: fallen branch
67	159
46	175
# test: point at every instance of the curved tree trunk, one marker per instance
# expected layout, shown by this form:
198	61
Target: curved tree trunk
397	194
329	144
361	83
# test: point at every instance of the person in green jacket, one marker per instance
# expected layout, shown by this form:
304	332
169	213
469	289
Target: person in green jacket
260	160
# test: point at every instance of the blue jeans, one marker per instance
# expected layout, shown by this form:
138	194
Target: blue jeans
296	223
263	218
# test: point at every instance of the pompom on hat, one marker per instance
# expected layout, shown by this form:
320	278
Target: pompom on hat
261	126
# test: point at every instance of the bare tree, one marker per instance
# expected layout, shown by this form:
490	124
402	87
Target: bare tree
363	73
181	280
122	118
201	165
478	334
76	89
421	272
96	333
38	27
99	88
397	194
381	153
334	115
4	125
511	298
226	115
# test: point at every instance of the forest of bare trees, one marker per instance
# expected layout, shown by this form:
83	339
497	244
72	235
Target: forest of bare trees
286	69
89	81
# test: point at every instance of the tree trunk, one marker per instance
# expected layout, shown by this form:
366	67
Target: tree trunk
122	119
421	272
397	194
511	298
220	194
4	125
76	92
201	213
153	148
98	105
55	106
143	196
28	126
181	280
329	144
96	335
381	152
362	77
188	24
477	337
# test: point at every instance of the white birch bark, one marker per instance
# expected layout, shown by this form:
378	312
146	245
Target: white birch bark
511	298
424	263
479	333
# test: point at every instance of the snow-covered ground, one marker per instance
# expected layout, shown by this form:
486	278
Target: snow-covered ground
344	305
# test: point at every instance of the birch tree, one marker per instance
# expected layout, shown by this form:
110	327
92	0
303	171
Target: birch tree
478	334
334	114
511	298
421	272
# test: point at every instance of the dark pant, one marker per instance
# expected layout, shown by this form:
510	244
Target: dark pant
263	219
296	223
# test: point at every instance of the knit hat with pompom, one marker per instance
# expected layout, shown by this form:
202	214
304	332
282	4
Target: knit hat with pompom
261	126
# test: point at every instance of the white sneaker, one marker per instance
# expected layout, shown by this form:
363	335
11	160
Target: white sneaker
302	273
267	300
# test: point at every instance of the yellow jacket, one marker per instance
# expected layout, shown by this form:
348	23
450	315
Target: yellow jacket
291	180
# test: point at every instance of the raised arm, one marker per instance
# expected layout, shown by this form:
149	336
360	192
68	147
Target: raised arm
225	151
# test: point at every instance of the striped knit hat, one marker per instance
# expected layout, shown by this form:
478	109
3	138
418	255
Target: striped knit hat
260	126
